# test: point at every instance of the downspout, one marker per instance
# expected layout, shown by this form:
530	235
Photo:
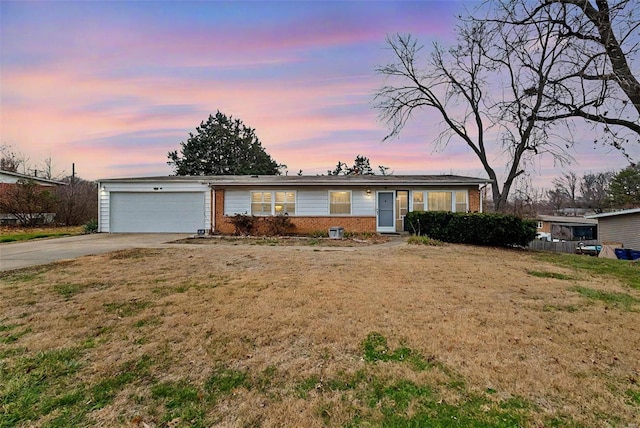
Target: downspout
212	195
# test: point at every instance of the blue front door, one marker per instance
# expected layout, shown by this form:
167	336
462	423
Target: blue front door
385	212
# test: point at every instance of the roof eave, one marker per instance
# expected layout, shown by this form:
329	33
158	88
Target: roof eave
615	213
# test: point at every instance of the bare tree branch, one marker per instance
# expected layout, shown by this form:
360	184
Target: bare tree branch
458	84
593	79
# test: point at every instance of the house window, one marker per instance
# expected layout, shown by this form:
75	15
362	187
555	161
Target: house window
261	203
540	225
273	203
339	202
461	201
418	201
285	203
439	201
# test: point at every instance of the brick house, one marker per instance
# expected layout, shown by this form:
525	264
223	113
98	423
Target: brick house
8	179
357	203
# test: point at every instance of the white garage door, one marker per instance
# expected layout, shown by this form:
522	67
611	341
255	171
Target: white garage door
157	212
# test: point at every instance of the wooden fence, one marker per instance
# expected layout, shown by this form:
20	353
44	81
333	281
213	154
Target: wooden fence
558	247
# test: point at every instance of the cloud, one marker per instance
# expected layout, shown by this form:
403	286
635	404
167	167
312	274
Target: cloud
113	86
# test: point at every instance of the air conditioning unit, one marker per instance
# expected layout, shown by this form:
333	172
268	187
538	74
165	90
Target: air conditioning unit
336	232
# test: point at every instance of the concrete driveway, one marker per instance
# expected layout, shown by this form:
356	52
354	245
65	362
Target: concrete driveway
16	255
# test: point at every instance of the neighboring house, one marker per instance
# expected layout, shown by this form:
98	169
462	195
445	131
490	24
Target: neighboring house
357	203
620	226
567	228
8	179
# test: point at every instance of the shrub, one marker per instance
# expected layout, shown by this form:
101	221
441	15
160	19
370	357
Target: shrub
91	226
472	228
424	240
244	224
278	225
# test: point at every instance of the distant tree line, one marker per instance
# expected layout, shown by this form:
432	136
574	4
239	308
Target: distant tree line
361	166
572	194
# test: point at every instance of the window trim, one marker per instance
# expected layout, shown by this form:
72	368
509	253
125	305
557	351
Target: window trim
350	192
273	202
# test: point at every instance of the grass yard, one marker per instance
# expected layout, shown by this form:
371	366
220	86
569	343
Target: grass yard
14	233
392	334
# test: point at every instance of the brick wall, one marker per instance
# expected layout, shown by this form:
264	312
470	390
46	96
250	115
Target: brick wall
4	187
303	225
546	227
307	225
474	199
221	225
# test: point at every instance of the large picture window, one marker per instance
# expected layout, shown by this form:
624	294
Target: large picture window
273	203
339	202
456	201
439	201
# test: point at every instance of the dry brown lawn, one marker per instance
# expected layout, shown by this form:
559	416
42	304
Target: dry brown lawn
291	321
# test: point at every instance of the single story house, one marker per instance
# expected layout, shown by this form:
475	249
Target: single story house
620	226
566	228
10	178
357	203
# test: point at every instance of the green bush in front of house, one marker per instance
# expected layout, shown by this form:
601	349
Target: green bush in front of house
472	228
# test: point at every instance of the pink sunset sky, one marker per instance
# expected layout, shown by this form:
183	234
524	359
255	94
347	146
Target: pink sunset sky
114	86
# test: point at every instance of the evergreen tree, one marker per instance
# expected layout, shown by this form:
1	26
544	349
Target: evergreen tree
222	146
625	188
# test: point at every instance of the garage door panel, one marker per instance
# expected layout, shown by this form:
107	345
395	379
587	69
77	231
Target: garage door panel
157	212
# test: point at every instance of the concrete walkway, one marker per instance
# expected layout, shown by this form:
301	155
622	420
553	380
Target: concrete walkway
17	255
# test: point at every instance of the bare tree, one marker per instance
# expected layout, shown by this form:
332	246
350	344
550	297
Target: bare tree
567	185
9	160
46	169
594	190
527	200
557	199
460	85
594	80
77	201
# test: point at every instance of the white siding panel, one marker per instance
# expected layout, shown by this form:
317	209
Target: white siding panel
103	213
207	210
363	204
155	186
621	228
312	202
237	202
